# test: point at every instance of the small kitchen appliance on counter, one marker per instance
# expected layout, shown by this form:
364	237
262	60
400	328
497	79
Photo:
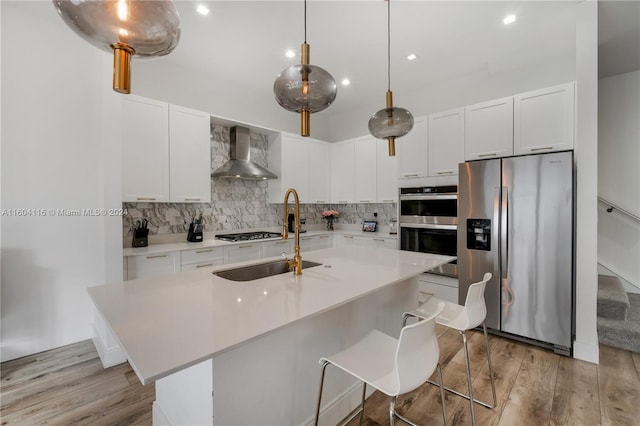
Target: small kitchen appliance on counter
195	230
140	234
393	226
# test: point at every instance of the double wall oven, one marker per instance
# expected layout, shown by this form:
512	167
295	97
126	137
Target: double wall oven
429	222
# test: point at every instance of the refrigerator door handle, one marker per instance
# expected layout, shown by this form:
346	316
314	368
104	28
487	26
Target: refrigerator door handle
504	226
495	236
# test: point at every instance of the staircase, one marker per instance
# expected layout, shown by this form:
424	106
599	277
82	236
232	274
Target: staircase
618	315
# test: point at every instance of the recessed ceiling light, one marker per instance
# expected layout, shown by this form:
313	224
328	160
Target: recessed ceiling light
346	82
290	54
509	19
411	57
202	10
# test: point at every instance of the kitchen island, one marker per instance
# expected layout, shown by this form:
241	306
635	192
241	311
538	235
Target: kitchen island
254	346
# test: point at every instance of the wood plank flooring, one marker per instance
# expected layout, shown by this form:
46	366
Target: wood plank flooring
68	386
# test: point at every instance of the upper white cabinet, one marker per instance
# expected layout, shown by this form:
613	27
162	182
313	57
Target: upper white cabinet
302	164
488	129
544	120
365	151
189	155
386	173
446	142
166	152
145	146
343	172
318	172
412	151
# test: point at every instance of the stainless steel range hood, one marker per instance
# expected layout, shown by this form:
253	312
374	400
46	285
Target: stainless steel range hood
240	165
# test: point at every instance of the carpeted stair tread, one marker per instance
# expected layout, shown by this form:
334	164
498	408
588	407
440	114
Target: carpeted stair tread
613	302
624	334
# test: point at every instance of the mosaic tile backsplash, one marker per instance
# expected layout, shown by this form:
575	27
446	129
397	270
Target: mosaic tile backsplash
239	204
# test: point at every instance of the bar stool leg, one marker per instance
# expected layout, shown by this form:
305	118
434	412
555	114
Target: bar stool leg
493	386
466	358
324	367
444	408
392	411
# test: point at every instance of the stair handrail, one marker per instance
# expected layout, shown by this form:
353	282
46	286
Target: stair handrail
614	206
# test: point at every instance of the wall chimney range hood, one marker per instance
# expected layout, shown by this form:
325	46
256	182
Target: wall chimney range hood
240	165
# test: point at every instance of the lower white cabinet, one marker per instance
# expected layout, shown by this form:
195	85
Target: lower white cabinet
152	265
346	241
445	288
203	257
380	242
315	242
275	248
242	252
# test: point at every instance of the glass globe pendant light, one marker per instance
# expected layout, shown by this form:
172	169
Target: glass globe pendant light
391	122
305	88
125	27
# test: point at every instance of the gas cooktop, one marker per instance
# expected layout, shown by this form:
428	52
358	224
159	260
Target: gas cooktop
246	236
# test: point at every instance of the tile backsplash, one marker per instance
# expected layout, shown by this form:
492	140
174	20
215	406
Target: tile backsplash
239	204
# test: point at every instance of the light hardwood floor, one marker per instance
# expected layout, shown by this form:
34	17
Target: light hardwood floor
68	386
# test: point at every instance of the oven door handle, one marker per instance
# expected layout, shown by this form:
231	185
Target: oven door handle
428	226
418	197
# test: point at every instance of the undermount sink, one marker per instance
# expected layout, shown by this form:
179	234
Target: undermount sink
261	270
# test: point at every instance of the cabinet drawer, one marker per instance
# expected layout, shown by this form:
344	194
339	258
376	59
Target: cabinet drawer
201	265
151	265
445	288
202	254
242	252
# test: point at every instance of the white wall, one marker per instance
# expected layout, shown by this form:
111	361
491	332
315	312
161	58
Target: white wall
586	158
52	158
619	176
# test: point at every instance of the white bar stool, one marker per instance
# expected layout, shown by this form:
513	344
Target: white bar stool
462	318
393	366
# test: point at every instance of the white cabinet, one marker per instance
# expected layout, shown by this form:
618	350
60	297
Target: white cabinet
242	252
152	265
386	174
365	169
390	243
275	248
203	257
145	146
189	155
318	172
439	286
346	241
302	164
412	151
342	172
544	120
446	142
488	129
315	242
166	152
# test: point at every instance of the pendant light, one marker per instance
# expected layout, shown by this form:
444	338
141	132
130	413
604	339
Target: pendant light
305	88
391	122
126	28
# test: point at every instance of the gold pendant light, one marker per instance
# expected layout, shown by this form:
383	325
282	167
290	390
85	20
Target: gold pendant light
126	28
305	88
391	122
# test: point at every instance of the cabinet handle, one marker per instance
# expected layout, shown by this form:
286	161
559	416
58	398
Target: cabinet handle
204	251
157	256
343	202
245	246
542	148
204	265
410	175
324	236
365	201
192	199
282	242
448	172
378	239
348	236
388	201
491	154
146	198
321	202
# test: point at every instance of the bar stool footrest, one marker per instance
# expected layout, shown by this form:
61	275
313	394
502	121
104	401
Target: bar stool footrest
477	401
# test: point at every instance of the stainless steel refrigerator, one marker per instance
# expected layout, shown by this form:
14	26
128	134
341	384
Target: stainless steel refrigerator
516	220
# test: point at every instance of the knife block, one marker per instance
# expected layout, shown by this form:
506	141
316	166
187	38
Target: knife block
195	233
140	238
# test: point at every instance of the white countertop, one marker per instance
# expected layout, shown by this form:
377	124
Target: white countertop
212	242
165	324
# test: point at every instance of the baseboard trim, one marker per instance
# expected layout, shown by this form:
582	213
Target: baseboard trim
586	352
108	356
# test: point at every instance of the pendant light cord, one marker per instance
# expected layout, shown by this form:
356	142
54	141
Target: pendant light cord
305	21
388	44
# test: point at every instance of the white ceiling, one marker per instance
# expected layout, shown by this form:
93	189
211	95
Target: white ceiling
243	42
